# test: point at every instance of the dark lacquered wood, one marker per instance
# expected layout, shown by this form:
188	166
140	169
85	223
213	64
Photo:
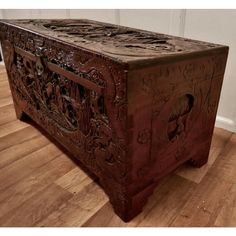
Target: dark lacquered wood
131	105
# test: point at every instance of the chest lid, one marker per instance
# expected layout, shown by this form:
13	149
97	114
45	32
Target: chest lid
117	42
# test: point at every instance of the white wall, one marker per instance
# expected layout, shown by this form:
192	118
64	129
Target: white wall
1	62
210	25
218	26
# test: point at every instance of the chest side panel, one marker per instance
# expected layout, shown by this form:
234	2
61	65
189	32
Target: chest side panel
171	113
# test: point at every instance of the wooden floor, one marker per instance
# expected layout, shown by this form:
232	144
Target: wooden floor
41	186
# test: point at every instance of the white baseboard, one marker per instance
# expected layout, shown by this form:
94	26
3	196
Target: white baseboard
225	123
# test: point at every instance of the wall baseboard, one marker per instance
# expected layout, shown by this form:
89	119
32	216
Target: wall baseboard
225	123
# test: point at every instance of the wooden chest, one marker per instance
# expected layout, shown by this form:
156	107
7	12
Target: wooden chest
131	105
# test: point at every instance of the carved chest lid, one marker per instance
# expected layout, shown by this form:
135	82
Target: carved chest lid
117	42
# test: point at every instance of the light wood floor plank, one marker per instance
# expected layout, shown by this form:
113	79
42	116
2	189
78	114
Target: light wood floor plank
6	101
12	127
17	137
11	174
7	114
37	207
227	214
78	209
14	153
5	89
33	183
74	181
205	203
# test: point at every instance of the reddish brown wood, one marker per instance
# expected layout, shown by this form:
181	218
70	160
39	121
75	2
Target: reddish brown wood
131	105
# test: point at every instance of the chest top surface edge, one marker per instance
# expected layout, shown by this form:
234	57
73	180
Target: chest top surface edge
120	43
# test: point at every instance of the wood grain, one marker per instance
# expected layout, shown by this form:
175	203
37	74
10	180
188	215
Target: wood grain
37	207
40	185
7	114
132	108
12	127
6	101
33	183
14	153
17	137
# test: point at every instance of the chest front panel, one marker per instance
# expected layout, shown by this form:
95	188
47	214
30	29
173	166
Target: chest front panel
76	96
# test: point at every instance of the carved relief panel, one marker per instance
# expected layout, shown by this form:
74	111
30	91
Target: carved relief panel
177	108
131	105
72	95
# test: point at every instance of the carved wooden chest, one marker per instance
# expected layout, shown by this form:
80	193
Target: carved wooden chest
131	105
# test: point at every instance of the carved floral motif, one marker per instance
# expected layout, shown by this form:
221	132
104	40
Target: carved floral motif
144	136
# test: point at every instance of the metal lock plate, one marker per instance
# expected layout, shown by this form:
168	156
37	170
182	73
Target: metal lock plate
39	66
